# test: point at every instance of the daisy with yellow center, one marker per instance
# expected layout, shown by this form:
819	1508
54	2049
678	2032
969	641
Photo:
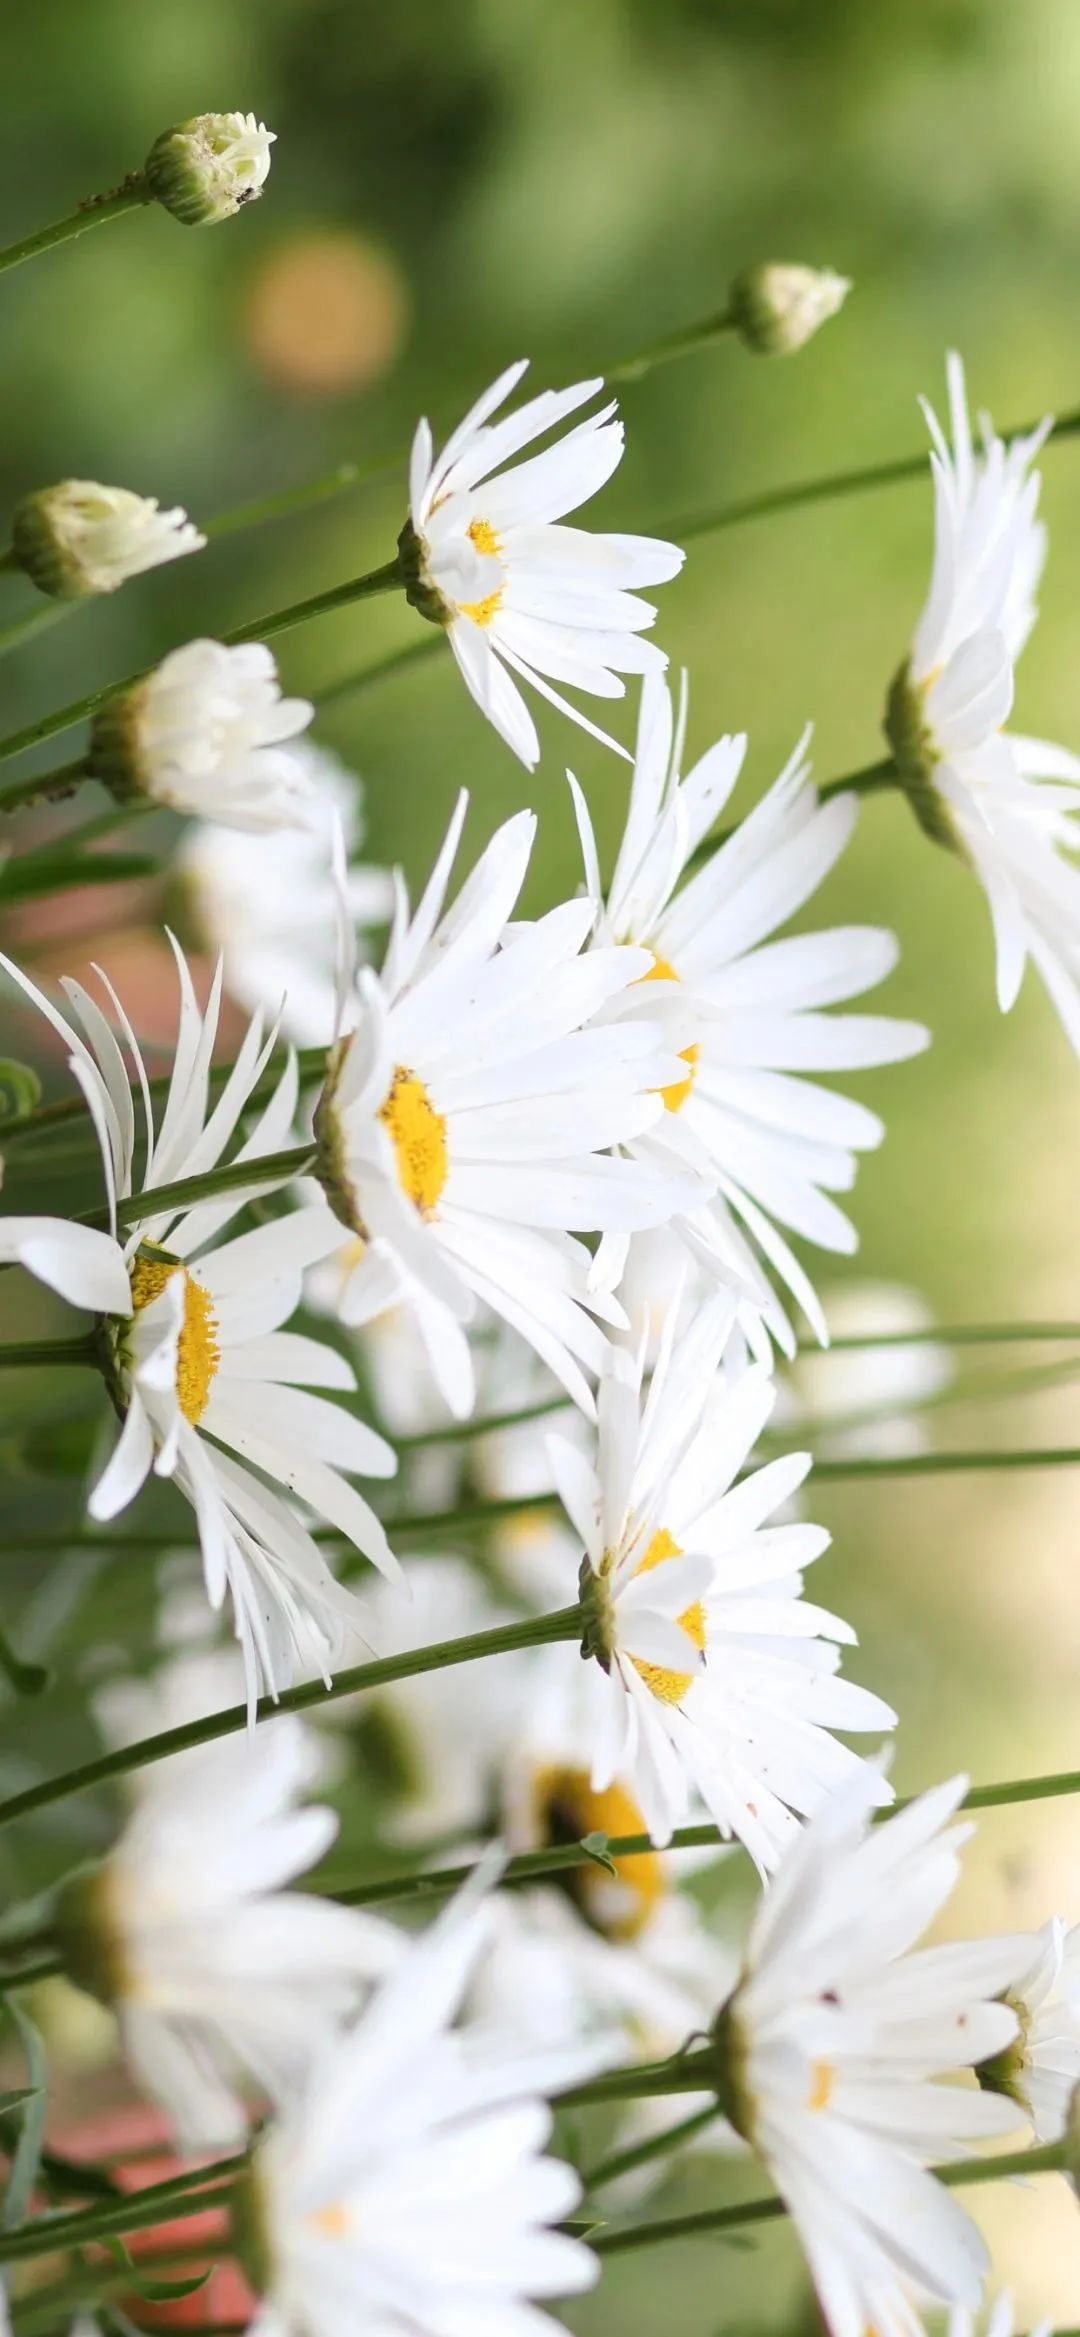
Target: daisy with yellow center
467	1125
517	594
742	1010
211	1390
720	1678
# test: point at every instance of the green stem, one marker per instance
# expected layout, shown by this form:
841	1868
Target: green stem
273	1168
505	1639
1065	1456
1047	2160
678	344
92	213
642	2154
293	499
46	787
320	604
191	2193
489	1424
679	2073
47	1351
869	781
29	1975
311	1062
37	621
396	661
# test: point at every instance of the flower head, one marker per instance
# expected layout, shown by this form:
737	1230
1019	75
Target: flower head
406	2183
202	1374
220	1978
266	904
207	732
1040	2067
208	168
517	593
835	2041
779	305
743	1011
464	1125
80	538
1004	802
721	1679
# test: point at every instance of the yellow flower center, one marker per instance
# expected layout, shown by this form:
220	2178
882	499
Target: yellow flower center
568	1808
671	1687
331	2223
822	2082
482	535
198	1354
482	611
418	1134
661	970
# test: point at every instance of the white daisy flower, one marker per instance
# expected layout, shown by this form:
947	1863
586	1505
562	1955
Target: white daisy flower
406	2188
80	537
201	1372
834	2042
208	732
868	1399
516	593
266	905
720	1678
464	1125
1004	802
746	1012
220	1979
998	2322
1040	2067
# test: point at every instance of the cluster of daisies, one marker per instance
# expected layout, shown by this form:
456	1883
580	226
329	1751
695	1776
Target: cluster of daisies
540	1177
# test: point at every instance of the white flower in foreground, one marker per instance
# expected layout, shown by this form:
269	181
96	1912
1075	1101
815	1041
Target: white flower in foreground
1040	2068
266	904
721	1679
206	169
744	1011
80	537
406	2189
464	1124
481	557
998	2321
220	1978
835	2039
202	1374
207	732
1005	803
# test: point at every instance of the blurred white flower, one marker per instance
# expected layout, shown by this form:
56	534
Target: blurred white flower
464	1126
266	904
743	1013
998	2322
867	1399
406	2187
80	537
207	732
220	1979
835	2040
482	558
1039	2068
1004	802
208	168
720	1678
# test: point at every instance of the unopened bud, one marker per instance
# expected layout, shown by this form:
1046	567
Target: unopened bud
208	168
80	538
208	733
779	304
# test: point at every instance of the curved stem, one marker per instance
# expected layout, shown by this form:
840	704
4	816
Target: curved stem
388	578
29	1352
47	787
505	1639
869	781
1047	2160
132	196
272	1168
679	344
181	2195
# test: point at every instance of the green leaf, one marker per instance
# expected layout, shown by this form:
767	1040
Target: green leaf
154	2292
26	2156
595	1847
27	1679
20	1089
26	879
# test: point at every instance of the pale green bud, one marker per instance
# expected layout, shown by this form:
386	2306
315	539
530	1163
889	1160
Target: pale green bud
206	169
779	305
80	538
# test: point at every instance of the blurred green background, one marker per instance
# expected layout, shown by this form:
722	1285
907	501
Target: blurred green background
460	182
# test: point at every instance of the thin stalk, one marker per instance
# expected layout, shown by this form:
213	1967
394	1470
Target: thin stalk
37	621
679	344
320	604
47	1968
1048	2160
31	1352
679	2073
1065	1456
311	1062
488	1424
869	781
531	1631
274	1168
180	2195
94	212
383	669
303	498
642	2154
46	787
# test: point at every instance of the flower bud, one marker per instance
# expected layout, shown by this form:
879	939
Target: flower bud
207	168
778	305
207	733
80	538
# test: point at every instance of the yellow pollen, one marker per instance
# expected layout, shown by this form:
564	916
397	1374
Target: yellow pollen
332	2223
482	611
481	533
662	970
823	2079
568	1808
198	1354
671	1687
418	1134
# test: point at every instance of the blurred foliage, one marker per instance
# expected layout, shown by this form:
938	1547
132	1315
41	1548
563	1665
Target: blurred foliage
570	179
